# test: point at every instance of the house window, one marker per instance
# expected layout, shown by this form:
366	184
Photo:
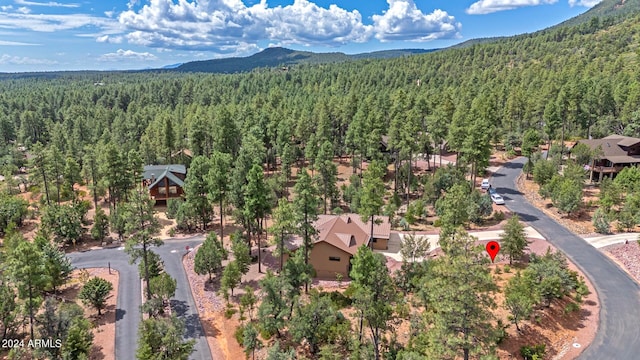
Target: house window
375	240
334	258
173	190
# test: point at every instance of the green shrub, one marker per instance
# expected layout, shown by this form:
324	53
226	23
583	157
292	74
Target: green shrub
339	300
507	268
498	216
571	307
172	208
228	313
498	271
533	352
437	223
239	334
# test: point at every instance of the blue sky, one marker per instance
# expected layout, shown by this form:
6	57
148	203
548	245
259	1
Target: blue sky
48	35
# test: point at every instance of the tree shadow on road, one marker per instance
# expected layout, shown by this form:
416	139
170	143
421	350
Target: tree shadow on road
193	328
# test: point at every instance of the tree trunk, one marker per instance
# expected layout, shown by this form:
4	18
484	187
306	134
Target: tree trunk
259	248
281	249
221	223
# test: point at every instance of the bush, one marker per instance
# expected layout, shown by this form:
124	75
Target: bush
239	334
533	352
507	268
601	222
172	208
339	300
498	271
498	216
228	313
571	307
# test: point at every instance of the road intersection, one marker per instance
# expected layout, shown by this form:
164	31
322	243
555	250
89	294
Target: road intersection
130	296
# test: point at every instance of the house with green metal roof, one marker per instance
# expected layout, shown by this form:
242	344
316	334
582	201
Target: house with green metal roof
164	181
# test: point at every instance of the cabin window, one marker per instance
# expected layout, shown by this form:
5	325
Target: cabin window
162	190
173	190
334	258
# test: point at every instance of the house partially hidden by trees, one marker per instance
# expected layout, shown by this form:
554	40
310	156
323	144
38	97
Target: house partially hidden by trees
338	239
612	154
164	181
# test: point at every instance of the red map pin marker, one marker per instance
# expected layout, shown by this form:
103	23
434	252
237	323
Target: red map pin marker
493	247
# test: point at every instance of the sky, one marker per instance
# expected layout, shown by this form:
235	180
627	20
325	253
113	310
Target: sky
52	35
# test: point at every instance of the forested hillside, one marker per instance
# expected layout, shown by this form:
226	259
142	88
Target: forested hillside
282	57
584	77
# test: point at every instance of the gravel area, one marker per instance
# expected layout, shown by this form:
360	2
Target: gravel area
627	256
206	298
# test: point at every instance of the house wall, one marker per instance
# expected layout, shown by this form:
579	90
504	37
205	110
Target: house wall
380	244
325	268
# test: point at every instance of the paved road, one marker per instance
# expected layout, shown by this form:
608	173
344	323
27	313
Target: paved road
129	294
618	336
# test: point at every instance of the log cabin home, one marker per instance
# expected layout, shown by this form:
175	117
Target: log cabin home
164	181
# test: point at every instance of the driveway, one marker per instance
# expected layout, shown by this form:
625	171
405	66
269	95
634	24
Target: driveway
618	336
129	294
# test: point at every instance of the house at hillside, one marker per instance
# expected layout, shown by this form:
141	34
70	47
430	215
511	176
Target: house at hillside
338	240
164	181
615	153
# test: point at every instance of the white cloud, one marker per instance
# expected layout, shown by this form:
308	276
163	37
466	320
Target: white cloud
490	6
127	55
55	22
48	4
6	7
17	60
24	10
15	43
226	26
109	39
221	24
109	14
404	21
585	3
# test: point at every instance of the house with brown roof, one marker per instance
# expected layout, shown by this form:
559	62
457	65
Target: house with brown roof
338	239
164	181
613	153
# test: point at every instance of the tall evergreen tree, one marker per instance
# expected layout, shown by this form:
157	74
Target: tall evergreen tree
196	189
306	208
218	183
256	205
141	226
458	293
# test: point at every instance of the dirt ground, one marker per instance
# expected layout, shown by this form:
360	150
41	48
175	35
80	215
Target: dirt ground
104	326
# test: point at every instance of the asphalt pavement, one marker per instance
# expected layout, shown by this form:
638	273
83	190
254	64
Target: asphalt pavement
129	294
618	335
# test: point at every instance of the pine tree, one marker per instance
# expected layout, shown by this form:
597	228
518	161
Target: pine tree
519	298
306	208
30	275
459	298
256	205
514	239
208	259
141	225
95	293
163	339
196	189
218	183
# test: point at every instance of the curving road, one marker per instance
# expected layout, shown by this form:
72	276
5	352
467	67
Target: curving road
129	294
618	336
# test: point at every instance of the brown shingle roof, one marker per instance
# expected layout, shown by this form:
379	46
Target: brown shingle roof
347	232
612	148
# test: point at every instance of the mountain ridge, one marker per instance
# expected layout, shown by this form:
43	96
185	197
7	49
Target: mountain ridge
273	57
